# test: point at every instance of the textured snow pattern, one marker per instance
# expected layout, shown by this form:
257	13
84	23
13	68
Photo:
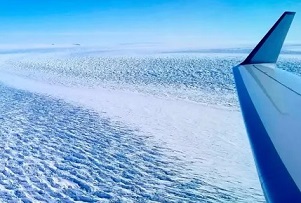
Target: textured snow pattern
53	150
197	78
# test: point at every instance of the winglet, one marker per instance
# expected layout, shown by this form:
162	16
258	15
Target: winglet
268	49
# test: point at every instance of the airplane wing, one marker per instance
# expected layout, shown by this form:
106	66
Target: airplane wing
270	100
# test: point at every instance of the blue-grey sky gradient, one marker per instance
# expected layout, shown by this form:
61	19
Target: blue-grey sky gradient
170	23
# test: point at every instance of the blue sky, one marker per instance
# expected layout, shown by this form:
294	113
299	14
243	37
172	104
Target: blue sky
124	23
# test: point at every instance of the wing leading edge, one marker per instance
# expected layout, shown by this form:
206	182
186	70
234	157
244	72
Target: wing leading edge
270	100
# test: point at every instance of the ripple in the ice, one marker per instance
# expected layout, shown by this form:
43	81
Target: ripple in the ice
200	78
205	78
53	151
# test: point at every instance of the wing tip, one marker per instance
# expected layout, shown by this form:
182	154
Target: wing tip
289	13
273	50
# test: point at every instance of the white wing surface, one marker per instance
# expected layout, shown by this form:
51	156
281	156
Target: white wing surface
270	100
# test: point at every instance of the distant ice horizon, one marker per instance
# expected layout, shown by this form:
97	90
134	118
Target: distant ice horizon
146	47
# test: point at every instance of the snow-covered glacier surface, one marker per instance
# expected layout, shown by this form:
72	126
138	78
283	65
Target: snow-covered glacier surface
80	125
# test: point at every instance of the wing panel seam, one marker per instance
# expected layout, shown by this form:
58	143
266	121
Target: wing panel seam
277	81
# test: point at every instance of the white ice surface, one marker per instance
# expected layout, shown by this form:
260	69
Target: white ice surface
177	123
208	139
194	132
